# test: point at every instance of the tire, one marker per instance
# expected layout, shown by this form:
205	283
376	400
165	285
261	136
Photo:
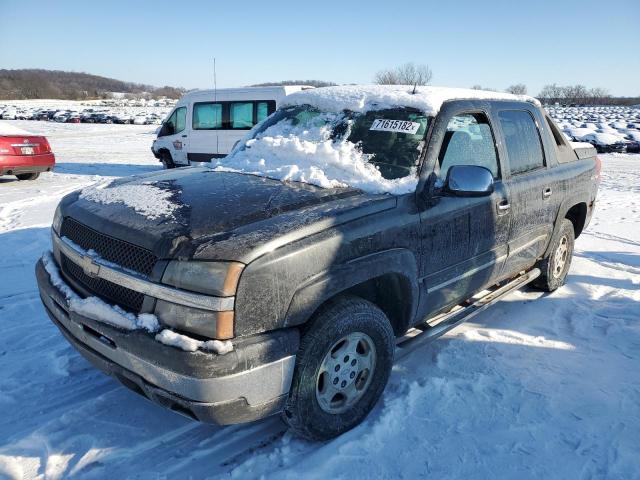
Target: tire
359	333
167	161
28	176
556	265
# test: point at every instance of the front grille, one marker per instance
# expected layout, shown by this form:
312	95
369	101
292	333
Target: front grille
111	249
110	292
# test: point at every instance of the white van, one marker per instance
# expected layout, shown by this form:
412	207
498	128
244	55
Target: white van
206	124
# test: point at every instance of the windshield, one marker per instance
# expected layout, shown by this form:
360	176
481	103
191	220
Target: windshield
377	151
390	139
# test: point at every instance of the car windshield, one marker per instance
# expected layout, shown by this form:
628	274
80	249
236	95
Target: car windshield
389	139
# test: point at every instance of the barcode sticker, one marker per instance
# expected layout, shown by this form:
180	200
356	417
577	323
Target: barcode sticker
400	126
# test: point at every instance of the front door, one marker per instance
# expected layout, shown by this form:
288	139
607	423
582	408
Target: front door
464	239
175	136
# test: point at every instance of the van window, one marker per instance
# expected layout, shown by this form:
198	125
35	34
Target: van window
262	111
522	141
468	141
207	116
181	119
241	115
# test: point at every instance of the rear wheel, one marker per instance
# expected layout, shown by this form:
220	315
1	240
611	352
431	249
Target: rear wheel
167	161
555	266
342	367
28	176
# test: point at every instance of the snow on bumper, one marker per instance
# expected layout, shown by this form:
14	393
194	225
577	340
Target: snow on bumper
248	383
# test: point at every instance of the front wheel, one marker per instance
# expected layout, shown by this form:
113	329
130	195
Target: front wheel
555	266
342	368
167	161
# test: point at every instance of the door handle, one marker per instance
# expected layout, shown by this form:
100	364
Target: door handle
546	193
184	136
503	207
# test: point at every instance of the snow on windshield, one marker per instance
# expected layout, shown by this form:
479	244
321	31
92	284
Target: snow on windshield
314	147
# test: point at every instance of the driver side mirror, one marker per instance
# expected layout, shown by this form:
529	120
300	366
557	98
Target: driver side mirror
469	181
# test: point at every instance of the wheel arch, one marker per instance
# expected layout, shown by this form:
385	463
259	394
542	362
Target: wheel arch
387	279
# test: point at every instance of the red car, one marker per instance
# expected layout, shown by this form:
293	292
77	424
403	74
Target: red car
23	154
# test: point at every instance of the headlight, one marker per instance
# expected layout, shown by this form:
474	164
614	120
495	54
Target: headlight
57	221
212	278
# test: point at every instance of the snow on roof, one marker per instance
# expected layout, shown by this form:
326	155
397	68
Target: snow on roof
10	130
360	98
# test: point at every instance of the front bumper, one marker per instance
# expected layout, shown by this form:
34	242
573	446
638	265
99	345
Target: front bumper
18	164
249	383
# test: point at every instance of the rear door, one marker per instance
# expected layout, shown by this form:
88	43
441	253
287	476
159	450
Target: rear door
464	239
531	201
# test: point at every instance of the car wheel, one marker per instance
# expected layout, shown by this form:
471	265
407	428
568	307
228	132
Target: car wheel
342	367
556	265
28	176
167	161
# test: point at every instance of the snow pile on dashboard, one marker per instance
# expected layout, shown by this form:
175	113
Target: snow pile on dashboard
95	308
146	198
362	98
309	155
189	344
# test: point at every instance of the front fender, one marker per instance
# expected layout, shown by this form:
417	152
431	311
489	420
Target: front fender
325	285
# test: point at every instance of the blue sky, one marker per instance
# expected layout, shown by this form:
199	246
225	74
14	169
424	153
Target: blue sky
494	44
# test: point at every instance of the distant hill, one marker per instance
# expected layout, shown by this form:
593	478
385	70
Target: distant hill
36	83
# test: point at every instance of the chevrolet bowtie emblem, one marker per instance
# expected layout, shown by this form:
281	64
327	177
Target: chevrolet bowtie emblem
89	267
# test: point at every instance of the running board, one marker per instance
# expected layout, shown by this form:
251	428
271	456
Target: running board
441	324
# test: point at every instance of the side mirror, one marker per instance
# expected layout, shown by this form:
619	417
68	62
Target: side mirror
469	181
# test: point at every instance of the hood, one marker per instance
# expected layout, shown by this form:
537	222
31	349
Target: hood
199	213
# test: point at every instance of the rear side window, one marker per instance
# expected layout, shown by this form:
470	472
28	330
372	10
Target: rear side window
522	141
207	116
468	141
241	115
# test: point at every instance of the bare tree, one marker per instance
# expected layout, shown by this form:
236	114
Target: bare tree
517	89
407	74
480	87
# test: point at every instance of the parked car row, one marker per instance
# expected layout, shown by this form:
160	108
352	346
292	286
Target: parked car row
87	115
613	129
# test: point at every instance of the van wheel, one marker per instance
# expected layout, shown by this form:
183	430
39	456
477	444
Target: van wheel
167	161
556	265
342	368
28	176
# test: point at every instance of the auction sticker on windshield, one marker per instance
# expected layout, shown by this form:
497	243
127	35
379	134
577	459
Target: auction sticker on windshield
400	126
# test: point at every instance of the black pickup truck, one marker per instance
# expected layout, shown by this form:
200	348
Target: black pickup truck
313	287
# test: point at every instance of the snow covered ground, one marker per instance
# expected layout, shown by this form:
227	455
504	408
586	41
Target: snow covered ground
538	386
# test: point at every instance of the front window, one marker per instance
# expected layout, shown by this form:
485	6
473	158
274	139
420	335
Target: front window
377	150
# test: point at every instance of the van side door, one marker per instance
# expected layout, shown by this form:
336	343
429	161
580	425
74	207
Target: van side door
464	239
532	204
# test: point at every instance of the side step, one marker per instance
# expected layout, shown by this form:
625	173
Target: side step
441	324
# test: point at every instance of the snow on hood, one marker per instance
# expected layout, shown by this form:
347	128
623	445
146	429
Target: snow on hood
361	98
10	130
147	198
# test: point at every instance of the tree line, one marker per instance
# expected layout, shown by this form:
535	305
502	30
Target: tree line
38	84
